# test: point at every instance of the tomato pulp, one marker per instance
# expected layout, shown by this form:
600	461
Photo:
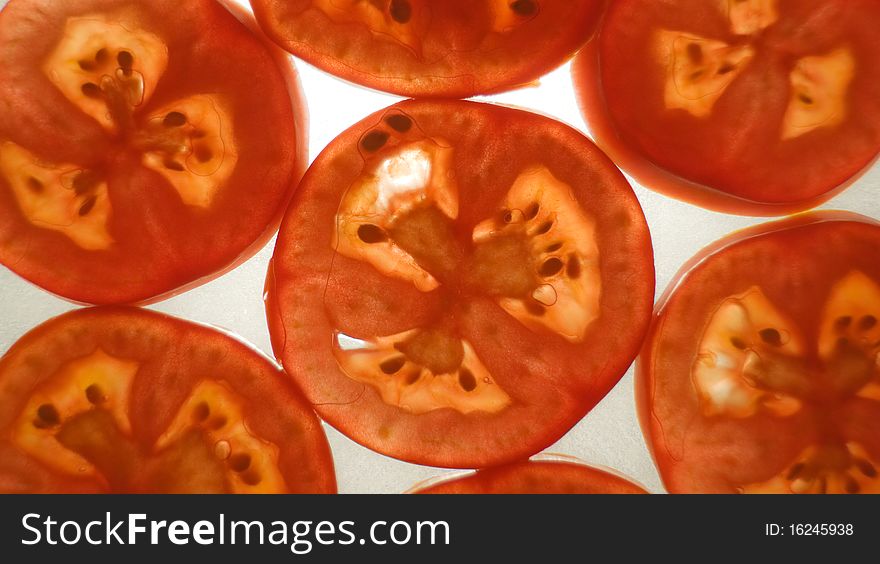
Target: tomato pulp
137	157
758	107
432	48
759	373
457	284
130	401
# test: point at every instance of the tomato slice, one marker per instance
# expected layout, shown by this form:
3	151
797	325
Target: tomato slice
457	284
759	107
425	48
541	475
760	371
138	155
128	400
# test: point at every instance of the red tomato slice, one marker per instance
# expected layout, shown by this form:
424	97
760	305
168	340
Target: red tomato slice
760	372
556	475
457	284
139	155
127	400
751	106
430	48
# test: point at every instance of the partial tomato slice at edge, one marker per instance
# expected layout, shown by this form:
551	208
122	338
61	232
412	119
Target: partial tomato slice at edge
199	411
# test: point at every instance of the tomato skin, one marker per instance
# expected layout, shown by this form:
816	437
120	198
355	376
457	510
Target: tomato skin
311	292
458	58
162	248
540	475
174	357
733	161
795	262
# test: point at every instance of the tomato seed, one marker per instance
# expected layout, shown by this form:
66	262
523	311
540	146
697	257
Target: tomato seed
374	140
554	247
737	343
726	68
867	322
203	154
852	487
805	99
573	270
771	337
101	55
841	323
240	462
392	366
544	228
866	467
550	267
201	412
87	65
174	165
251	478
695	52
91	90
535	308
95	395
466	380
371	234
795	471
87	206
523	7
34	185
174	119
400	11
533	210
48	414
399	123
217	423
125	60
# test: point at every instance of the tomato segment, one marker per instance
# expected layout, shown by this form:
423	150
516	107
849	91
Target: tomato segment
760	372
541	475
443	287
425	48
753	107
125	400
127	154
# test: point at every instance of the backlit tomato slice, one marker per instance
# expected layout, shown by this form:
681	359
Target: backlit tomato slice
432	48
760	372
145	147
457	284
127	400
541	475
747	106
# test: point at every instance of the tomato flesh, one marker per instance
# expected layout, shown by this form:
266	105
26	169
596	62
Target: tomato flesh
125	400
556	475
130	141
428	48
760	373
458	284
758	107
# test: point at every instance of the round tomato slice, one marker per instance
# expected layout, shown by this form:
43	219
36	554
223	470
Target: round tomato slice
139	156
541	475
127	400
757	107
457	284
432	48
760	371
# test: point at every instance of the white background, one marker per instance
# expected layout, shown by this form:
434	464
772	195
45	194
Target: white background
608	436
